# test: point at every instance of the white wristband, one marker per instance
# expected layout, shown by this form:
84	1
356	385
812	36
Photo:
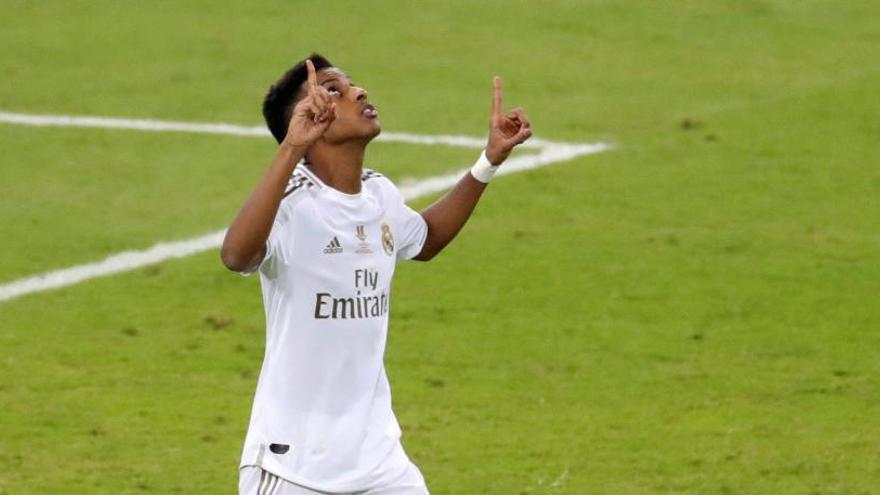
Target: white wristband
483	170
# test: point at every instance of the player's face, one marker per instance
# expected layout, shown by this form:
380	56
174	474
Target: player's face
356	118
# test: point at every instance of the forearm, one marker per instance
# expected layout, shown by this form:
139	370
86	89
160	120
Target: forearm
447	216
245	240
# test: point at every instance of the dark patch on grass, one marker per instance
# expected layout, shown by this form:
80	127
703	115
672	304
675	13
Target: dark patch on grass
130	331
218	322
441	314
152	270
822	390
403	315
734	247
663	358
689	123
435	382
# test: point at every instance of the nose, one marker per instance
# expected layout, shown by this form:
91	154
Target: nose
360	93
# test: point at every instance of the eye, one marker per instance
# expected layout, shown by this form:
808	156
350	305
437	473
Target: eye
334	91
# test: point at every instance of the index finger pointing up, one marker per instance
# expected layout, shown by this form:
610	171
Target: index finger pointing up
313	78
496	96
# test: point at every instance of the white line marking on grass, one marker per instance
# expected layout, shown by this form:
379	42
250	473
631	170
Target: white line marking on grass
150	125
549	153
547	156
117	263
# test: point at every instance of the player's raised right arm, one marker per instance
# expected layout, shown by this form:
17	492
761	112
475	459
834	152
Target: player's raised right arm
245	244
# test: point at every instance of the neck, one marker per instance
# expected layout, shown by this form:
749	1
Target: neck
340	166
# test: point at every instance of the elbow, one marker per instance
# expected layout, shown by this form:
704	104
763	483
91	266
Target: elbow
427	254
232	259
433	246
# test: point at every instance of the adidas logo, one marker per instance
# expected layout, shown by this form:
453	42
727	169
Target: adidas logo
334	247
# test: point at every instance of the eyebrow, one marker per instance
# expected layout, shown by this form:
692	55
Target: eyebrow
336	77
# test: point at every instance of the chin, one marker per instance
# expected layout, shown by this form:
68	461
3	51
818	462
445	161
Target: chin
370	132
376	130
359	132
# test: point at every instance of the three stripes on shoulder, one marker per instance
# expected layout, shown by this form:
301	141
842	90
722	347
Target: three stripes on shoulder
304	178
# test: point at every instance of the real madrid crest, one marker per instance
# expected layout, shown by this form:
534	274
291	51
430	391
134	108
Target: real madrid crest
387	239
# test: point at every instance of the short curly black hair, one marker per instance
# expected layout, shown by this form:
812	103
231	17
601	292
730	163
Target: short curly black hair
282	95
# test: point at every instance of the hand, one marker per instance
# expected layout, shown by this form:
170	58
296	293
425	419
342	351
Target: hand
507	130
312	115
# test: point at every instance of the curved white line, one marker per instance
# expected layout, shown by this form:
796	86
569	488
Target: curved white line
549	153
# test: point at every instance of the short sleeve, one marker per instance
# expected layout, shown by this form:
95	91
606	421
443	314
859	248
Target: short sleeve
275	252
410	229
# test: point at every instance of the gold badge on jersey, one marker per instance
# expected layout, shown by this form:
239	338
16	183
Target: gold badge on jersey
387	239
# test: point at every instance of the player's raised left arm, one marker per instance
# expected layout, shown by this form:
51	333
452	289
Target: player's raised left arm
447	216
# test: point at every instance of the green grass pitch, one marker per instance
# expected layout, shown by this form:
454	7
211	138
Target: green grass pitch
694	312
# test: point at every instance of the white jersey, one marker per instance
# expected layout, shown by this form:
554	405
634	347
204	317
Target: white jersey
322	414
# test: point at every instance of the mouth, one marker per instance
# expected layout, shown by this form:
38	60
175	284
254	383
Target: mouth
370	111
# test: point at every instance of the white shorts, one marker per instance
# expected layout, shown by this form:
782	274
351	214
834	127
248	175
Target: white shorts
253	480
